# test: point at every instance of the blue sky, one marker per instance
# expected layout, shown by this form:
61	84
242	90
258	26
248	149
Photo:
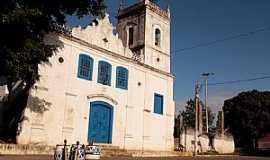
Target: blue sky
202	21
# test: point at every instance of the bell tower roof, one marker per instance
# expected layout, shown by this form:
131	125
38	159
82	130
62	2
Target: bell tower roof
142	5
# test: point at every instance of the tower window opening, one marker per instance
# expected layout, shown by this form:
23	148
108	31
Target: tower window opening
130	35
157	37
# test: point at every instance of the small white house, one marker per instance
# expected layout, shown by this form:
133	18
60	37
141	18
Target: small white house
108	88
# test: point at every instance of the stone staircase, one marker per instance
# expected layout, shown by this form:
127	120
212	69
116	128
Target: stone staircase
112	151
106	151
20	149
16	149
115	151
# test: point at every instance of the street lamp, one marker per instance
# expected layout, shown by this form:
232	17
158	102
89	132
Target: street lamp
206	75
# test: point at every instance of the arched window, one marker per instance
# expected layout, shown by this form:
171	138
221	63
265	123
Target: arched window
85	67
121	78
157	37
130	36
104	73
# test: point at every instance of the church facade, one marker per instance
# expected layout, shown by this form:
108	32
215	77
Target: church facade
106	86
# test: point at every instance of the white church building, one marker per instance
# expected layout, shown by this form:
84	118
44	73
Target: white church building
108	86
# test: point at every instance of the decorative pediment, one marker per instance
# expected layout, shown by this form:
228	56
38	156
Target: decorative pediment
102	96
101	33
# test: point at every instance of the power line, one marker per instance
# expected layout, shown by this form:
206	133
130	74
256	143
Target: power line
239	81
204	44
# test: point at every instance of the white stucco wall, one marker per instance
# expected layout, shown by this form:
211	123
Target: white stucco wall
144	17
224	144
187	140
152	52
135	126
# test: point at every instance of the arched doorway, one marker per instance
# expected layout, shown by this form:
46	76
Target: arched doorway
100	122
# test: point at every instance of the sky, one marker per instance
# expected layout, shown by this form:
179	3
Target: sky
196	22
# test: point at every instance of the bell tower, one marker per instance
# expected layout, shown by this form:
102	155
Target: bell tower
145	29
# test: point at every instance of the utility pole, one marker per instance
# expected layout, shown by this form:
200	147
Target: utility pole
196	117
205	103
206	75
200	118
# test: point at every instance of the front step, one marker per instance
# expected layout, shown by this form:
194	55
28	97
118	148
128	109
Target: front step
115	153
27	149
108	150
106	146
159	153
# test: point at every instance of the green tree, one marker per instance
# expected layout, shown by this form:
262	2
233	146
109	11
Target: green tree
247	117
24	25
189	114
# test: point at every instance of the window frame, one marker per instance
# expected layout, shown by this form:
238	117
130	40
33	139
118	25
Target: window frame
159	110
119	79
109	73
82	57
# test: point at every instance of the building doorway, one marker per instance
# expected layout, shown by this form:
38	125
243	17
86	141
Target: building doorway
100	122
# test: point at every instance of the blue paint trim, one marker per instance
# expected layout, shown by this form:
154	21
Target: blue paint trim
158	103
104	78
90	68
121	82
111	117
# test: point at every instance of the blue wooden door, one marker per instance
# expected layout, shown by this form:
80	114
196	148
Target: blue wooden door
100	122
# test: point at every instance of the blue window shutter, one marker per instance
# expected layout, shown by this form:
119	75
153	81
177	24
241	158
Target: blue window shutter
109	74
104	73
85	67
79	64
99	72
158	104
121	78
91	68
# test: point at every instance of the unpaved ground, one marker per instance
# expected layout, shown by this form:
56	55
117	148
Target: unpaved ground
126	158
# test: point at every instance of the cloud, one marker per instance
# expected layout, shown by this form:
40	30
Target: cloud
216	102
